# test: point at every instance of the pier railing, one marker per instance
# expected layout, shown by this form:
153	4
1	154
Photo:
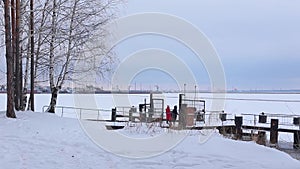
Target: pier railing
81	113
260	119
213	118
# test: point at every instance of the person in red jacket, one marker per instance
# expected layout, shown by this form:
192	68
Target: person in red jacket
168	114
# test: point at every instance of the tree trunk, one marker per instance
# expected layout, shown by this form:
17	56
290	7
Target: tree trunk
31	56
10	112
54	92
19	65
15	56
25	75
54	89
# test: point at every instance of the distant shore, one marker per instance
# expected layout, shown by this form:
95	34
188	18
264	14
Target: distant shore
173	91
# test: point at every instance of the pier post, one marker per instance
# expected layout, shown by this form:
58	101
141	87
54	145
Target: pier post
113	114
297	139
145	105
274	131
238	127
262	118
222	116
296	120
180	101
151	103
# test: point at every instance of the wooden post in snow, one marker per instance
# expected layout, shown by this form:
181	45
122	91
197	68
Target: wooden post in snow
297	139
274	131
238	127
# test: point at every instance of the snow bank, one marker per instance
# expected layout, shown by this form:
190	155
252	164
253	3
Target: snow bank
39	140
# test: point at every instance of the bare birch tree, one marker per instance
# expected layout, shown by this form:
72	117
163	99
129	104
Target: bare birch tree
73	23
62	28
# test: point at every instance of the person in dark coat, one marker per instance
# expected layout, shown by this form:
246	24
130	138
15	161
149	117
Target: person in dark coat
174	114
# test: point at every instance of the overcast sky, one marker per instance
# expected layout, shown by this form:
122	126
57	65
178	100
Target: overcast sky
258	41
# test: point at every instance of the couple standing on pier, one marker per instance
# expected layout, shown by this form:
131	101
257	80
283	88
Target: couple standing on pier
171	116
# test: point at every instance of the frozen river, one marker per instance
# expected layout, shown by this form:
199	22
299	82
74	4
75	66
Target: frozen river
234	103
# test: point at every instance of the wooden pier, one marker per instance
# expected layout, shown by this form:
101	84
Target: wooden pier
194	116
252	126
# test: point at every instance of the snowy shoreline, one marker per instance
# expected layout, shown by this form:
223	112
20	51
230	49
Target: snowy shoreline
39	140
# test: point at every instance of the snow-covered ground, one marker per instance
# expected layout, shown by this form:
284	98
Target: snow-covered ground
40	140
